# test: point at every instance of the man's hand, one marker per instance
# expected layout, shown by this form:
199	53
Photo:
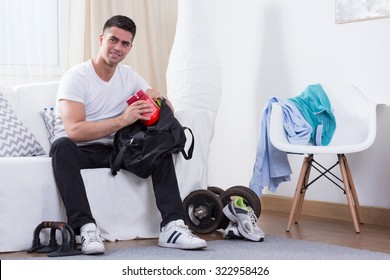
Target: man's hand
154	94
136	111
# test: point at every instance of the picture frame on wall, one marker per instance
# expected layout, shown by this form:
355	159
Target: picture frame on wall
359	10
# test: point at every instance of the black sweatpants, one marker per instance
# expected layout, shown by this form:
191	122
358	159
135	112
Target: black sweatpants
68	159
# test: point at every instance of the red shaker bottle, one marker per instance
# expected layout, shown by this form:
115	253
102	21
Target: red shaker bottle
141	95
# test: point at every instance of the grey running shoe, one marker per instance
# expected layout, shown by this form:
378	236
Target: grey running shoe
245	219
231	232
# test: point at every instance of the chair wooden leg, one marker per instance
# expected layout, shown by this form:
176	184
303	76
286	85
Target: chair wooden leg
299	206
348	193
353	191
303	190
298	193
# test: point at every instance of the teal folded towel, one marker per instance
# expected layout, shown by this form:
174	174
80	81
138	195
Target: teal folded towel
317	110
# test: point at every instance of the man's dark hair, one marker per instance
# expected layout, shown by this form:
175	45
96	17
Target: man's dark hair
122	22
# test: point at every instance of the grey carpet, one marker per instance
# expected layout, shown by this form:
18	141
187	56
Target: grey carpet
273	248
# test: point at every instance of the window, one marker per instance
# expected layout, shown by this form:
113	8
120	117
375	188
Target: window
33	39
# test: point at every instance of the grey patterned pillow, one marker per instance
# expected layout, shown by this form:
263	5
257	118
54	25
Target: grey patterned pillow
15	138
49	115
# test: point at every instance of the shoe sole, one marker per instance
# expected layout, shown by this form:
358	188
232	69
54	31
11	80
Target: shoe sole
231	235
226	210
95	252
183	247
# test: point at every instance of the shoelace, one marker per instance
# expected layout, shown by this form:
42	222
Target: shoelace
187	230
93	236
252	216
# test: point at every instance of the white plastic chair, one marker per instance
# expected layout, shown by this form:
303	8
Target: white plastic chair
355	131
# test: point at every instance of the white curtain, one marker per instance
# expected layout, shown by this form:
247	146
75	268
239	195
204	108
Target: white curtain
31	46
194	72
194	86
79	23
155	20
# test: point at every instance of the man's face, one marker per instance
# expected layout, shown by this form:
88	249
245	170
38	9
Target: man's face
115	43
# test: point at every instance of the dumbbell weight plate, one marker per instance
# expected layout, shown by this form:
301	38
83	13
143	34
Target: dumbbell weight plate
216	190
250	199
253	199
203	211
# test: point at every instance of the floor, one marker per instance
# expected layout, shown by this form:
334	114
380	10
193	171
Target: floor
371	237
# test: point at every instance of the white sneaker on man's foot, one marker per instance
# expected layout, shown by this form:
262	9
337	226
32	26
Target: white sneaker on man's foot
91	242
177	235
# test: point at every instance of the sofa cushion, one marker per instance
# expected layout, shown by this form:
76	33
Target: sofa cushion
49	115
27	100
15	138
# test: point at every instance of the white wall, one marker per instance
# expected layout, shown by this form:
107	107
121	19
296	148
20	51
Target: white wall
278	47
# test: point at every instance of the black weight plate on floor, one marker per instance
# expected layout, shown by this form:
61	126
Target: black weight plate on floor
203	211
216	190
254	200
249	196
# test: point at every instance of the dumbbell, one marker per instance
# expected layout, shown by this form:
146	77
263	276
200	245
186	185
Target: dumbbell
203	208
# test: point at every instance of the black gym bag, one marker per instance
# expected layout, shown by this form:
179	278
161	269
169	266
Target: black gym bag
139	148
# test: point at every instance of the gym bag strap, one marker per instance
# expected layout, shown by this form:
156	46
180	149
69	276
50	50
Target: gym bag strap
139	149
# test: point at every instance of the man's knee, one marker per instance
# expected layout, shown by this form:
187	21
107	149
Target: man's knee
62	145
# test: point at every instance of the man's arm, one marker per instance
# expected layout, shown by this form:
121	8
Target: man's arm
80	130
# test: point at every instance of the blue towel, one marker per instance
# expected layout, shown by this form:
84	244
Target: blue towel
317	110
271	165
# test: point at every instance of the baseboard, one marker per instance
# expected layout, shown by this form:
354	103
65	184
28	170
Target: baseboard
371	215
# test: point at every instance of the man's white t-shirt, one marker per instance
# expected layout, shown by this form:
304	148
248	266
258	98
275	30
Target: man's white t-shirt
102	100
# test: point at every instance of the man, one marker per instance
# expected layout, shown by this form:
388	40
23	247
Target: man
91	102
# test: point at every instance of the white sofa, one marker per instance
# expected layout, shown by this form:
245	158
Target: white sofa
123	205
